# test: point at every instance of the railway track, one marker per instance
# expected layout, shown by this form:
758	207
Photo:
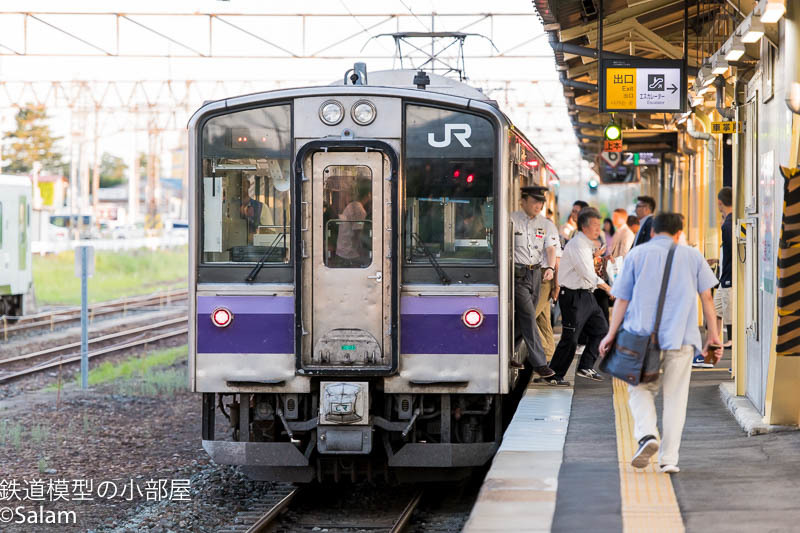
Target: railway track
41	360
263	518
12	326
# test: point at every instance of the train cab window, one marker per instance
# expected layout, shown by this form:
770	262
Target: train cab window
449	188
347	216
245	196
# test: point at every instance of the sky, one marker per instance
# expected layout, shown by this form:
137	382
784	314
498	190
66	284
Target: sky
253	53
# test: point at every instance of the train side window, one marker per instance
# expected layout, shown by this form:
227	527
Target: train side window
245	188
449	187
347	216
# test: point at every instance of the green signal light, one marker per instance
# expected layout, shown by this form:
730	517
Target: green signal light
612	132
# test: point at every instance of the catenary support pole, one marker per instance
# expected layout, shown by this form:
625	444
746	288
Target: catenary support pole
84	318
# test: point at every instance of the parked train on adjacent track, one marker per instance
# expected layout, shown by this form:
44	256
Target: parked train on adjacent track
351	275
16	270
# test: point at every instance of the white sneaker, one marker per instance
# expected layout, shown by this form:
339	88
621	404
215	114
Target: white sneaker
670	469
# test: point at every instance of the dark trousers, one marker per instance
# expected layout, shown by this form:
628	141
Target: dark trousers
526	293
602	302
579	313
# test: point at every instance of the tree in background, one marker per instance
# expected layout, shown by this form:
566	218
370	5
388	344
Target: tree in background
112	170
30	142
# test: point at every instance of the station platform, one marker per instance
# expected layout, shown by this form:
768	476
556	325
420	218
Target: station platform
564	465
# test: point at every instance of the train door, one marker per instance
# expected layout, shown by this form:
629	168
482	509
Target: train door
23	233
350	297
753	303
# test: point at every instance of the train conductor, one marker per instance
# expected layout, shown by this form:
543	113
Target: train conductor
532	238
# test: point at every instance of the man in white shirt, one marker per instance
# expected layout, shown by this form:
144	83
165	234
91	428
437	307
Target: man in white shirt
530	246
579	309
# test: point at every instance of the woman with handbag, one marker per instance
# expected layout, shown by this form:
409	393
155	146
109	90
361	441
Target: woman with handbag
662	325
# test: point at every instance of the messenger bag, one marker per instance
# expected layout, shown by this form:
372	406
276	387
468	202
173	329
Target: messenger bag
637	358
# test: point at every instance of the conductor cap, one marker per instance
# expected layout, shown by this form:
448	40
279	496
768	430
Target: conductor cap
536	192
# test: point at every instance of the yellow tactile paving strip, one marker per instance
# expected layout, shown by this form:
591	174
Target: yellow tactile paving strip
648	499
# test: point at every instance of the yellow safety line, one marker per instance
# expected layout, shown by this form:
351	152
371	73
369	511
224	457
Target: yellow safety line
648	499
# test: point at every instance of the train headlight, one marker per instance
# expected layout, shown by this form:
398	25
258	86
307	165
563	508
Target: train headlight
472	318
221	317
331	112
363	112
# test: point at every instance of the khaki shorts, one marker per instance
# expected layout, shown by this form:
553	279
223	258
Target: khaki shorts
722	304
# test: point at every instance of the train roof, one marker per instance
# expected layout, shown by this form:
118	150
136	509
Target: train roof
404	79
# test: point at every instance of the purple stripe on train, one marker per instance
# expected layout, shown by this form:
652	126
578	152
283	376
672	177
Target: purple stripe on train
261	324
432	324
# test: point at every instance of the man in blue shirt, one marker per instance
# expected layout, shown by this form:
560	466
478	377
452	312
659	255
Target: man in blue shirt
678	336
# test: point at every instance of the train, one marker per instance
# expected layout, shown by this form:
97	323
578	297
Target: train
351	276
16	270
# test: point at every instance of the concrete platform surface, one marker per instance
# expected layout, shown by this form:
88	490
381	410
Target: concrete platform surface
564	466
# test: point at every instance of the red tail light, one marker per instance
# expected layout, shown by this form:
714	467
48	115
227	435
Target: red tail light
221	317
472	318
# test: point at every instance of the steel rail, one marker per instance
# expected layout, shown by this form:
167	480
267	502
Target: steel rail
268	517
102	351
102	338
62	316
404	518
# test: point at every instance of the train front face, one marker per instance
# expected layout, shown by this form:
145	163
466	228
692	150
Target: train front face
347	282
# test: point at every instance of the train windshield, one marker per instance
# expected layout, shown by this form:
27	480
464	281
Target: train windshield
246	201
449	194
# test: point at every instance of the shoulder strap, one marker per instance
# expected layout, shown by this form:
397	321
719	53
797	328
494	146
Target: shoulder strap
664	282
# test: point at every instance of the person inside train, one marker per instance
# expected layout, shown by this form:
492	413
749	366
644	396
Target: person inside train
255	212
645	207
532	240
569	228
579	310
350	249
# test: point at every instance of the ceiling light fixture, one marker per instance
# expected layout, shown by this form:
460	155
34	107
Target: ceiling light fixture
755	31
773	11
736	50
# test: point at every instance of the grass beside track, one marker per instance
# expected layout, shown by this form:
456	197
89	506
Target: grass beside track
116	275
148	375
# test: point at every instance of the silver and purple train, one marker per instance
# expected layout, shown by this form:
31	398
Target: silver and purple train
351	276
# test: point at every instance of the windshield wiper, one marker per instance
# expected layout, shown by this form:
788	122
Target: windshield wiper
256	269
443	277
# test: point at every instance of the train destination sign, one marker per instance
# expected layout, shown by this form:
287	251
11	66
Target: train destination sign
642	85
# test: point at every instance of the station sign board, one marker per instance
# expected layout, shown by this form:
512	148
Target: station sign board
725	127
612	159
642	85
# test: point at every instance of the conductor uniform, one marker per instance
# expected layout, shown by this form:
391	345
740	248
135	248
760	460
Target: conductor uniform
530	240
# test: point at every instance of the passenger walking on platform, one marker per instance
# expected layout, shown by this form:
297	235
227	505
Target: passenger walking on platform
608	233
633	223
645	207
579	309
568	229
722	298
548	291
678	335
531	243
623	236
